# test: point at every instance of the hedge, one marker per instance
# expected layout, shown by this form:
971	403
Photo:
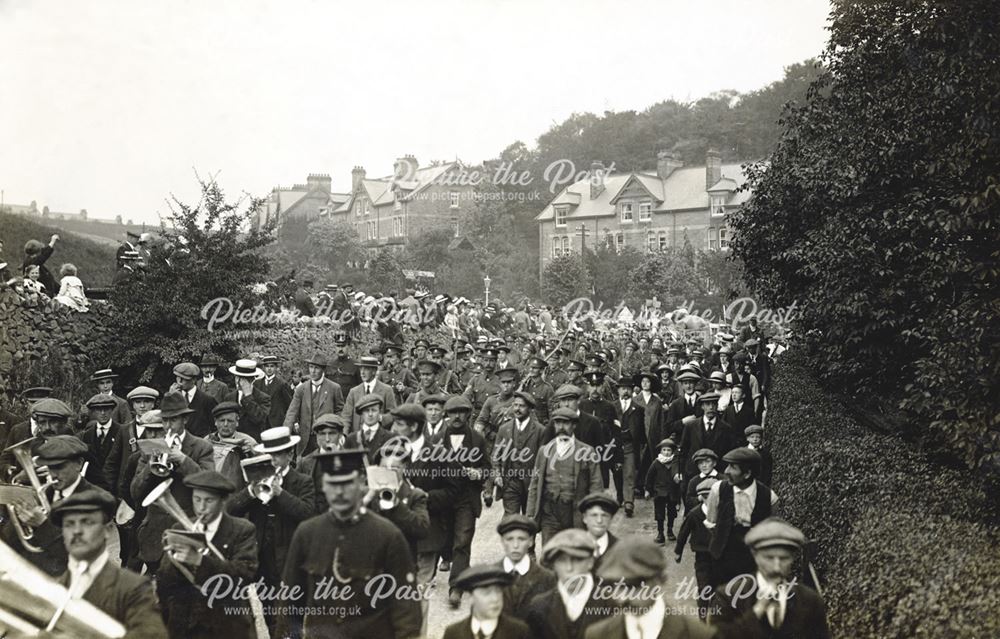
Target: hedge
905	548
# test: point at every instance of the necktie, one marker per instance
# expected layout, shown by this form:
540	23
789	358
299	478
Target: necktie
774	613
690	399
58	495
480	635
101	432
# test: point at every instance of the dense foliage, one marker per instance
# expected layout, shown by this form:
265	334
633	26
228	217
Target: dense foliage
879	214
902	546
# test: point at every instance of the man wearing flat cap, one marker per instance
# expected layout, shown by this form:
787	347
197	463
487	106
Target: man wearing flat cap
86	520
184	581
635	571
513	458
770	602
26	427
316	396
370	385
349	547
734	506
229	445
141	400
566	471
100	435
517	536
329	431
371	434
64	455
588	429
488	614
186	375
598	509
565	611
254	403
49	417
706	430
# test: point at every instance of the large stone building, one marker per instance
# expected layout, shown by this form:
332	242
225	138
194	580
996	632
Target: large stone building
649	210
302	201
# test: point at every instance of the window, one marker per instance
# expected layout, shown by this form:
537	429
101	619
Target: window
372	231
454	199
560	246
645	211
718	206
357	208
627	212
619	241
651	242
723	239
397	226
561	212
712	242
367	208
663	240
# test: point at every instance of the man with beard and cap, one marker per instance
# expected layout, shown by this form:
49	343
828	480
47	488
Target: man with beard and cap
348	547
254	403
628	442
185	578
49	417
209	384
316	396
568	609
64	455
488	613
635	572
465	452
370	385
540	389
229	446
770	602
735	505
86	520
566	471
517	536
104	380
400	378
517	443
276	388
342	369
371	435
598	509
588	428
200	420
594	403
706	431
427	378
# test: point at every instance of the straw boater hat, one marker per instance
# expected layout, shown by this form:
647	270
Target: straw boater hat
277	439
246	368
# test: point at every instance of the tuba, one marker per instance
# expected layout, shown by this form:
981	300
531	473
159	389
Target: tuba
22	452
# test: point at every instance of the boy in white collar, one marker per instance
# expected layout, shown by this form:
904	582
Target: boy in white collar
487	618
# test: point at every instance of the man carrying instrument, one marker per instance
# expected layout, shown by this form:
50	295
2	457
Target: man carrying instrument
86	519
184	581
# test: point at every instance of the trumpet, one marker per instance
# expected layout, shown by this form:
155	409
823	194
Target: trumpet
161	496
22	452
264	489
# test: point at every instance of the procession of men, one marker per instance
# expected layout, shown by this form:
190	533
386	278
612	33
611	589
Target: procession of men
337	501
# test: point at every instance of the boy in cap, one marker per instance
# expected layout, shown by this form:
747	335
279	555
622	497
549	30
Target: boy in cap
663	482
371	436
349	546
598	509
517	536
276	388
200	419
100	435
565	611
488	616
635	570
755	441
694	528
185	573
316	396
370	385
770	602
86	521
740	412
706	460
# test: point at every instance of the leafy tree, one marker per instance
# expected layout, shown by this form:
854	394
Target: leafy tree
610	272
384	273
667	275
564	279
211	253
879	215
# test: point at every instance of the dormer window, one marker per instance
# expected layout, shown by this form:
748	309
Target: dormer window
627	215
645	211
718	206
561	213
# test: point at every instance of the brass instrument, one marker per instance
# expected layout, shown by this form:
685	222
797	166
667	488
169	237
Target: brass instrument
160	466
30	602
22	452
162	497
264	489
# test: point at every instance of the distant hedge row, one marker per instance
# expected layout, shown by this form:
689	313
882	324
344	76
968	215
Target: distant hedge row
904	548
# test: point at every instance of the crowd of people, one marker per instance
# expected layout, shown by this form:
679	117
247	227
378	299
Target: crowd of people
36	287
367	470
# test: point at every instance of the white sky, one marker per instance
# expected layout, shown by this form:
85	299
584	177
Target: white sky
112	105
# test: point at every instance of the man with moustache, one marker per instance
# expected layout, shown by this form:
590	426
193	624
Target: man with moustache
312	398
229	446
371	435
49	417
348	546
209	384
588	429
276	388
343	371
513	458
85	520
484	384
329	431
594	403
706	431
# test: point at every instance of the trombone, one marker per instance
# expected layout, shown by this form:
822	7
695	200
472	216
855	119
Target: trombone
161	496
22	452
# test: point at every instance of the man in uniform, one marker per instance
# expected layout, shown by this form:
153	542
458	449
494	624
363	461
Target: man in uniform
342	369
370	385
86	520
595	403
277	388
400	378
427	376
447	378
208	384
484	384
314	397
348	546
556	374
200	421
540	389
513	458
497	408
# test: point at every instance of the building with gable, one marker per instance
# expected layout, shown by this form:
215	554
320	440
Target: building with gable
302	201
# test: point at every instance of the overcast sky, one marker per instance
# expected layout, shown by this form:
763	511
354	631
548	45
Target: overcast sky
112	105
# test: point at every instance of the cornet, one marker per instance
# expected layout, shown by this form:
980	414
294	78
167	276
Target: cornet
264	489
160	466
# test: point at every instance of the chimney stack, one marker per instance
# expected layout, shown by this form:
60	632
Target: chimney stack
713	168
357	174
596	178
319	182
666	163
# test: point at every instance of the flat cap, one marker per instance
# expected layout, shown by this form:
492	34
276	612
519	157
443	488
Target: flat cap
508	374
567	390
92	499
710	397
457	403
143	392
481	576
575	542
101	400
225	407
753	429
36	392
667	442
211	480
410	412
61	448
774	531
704	453
528	398
742	456
753	341
51	407
329	421
368	401
633	559
517	522
567	414
436	398
151	419
705	485
601	500
187	370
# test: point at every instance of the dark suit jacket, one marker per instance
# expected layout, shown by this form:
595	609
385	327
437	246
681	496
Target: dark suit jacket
805	616
653	414
186	610
508	627
281	396
426	474
546	616
471	454
722	439
201	422
588	430
674	627
128	598
18	433
633	428
373	449
673	425
525	588
277	520
116	460
739	421
305	408
255	409
409	514
99	451
587	478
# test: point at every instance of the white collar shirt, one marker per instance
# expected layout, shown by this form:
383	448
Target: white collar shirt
648	624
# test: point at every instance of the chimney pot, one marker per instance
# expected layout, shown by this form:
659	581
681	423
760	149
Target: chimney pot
596	178
666	163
